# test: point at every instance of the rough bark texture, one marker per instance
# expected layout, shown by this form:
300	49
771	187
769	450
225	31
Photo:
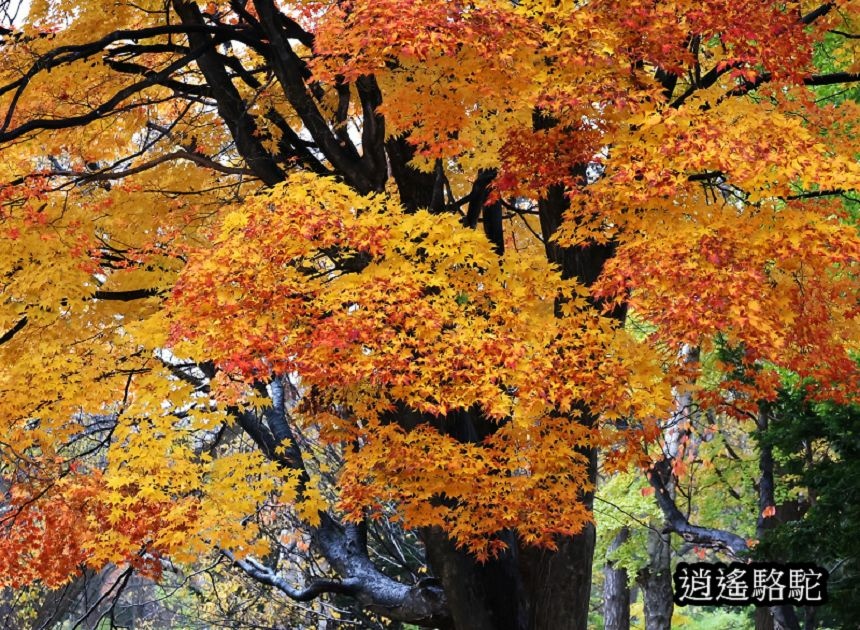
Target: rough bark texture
656	582
616	591
558	583
485	596
344	547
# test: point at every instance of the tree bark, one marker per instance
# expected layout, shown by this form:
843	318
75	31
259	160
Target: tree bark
524	589
616	591
558	582
656	582
486	596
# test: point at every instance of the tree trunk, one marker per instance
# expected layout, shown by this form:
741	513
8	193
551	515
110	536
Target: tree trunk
524	588
776	617
558	583
616	591
486	596
656	582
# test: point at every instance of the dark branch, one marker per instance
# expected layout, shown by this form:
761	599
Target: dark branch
711	77
231	107
266	575
821	11
180	87
832	79
79	52
659	476
126	296
846	35
373	131
343	547
19	325
291	146
106	107
707	80
197	158
817	193
290	71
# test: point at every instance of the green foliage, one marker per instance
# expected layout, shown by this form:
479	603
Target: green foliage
718	619
624	501
818	449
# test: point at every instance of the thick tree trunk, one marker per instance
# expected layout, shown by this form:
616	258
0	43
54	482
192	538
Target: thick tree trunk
558	582
486	596
616	590
524	588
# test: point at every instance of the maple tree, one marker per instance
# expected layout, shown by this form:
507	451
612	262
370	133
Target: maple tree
228	225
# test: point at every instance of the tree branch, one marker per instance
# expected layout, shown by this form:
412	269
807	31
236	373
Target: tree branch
79	52
711	77
19	325
676	522
104	109
833	78
197	158
126	296
846	35
231	107
813	194
813	15
343	547
288	68
266	575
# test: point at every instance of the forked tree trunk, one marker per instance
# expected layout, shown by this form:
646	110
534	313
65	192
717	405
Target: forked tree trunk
527	588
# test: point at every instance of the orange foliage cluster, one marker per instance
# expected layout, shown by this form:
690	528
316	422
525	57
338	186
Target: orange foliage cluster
434	322
50	532
140	255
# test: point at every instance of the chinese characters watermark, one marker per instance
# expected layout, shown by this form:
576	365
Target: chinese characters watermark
759	583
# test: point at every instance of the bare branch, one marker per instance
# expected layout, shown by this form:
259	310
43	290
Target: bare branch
195	157
266	575
676	522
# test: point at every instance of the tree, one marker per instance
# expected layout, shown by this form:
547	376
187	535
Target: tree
815	444
241	235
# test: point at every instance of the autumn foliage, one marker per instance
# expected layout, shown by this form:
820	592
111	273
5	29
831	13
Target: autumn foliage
198	201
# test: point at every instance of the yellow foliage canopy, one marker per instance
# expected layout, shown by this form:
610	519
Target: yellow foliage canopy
199	201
